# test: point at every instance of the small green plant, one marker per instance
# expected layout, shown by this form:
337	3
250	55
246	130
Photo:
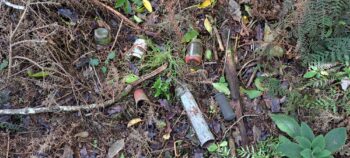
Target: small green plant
162	88
222	86
3	64
158	56
263	149
190	35
110	57
304	143
315	72
221	149
127	6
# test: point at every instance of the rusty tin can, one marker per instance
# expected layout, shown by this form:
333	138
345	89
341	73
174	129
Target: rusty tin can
194	52
102	36
140	97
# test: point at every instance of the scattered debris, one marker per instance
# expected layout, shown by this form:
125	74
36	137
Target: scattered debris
115	148
83	134
68	15
134	122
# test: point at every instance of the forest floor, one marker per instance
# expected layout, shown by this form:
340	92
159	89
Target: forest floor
49	58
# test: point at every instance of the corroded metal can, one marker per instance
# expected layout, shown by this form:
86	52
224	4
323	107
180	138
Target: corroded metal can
194	52
102	36
139	48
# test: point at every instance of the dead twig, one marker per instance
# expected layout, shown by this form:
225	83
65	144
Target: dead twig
12	33
116	36
56	109
118	14
218	38
230	70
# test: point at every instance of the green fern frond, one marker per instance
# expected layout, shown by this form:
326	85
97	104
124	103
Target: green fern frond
324	34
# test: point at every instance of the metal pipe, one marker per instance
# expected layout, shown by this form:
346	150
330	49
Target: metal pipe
193	112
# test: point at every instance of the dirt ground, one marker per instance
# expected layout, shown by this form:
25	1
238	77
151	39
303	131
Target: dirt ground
39	39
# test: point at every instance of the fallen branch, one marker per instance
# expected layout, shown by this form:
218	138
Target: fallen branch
118	14
56	109
15	6
232	79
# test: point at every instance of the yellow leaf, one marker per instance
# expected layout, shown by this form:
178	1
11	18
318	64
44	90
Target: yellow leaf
166	136
205	4
133	122
207	25
147	5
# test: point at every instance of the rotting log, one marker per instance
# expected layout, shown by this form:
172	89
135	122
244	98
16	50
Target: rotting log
233	82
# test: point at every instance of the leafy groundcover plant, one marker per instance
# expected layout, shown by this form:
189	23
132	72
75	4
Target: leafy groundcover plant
304	143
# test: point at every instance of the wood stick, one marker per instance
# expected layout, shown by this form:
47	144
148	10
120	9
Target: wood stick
218	38
232	79
118	14
56	109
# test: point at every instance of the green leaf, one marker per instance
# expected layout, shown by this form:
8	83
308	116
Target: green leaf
306	153
94	61
3	64
290	149
127	7
137	19
316	150
104	70
223	144
222	87
130	78
40	74
111	55
286	124
253	93
322	154
335	139
283	139
212	148
306	131
191	34
303	142
258	84
319	141
310	74
222	79
119	3
208	54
